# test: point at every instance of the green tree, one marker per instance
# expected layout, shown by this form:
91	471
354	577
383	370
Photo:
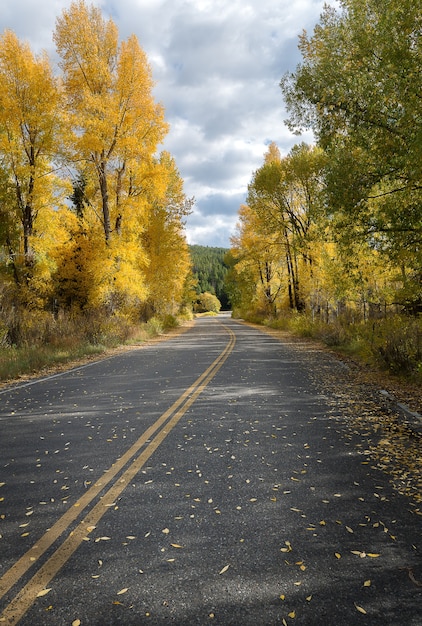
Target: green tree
359	88
210	269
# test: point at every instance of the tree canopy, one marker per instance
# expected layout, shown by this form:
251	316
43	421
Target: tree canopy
91	213
358	88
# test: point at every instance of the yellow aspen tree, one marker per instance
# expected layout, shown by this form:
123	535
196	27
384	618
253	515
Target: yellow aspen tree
30	127
285	193
164	239
114	120
257	271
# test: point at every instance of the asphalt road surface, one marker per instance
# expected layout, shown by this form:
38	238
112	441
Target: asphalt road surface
204	479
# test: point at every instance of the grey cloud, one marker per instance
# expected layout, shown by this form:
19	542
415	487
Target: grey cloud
220	204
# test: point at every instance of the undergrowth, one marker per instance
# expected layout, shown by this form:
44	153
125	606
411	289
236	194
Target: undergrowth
42	342
391	344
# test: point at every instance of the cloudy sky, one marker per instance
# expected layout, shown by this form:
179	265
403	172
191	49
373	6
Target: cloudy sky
217	66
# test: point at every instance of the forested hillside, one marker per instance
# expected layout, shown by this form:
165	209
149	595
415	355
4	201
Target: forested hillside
330	234
210	270
91	215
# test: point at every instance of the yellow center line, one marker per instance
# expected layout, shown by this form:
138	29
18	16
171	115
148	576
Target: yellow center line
15	610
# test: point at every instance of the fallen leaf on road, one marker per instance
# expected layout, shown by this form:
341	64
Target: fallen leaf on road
43	592
360	609
225	568
122	591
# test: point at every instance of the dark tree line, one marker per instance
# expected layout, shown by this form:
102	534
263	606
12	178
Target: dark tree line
210	270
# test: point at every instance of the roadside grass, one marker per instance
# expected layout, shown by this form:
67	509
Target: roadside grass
392	344
70	342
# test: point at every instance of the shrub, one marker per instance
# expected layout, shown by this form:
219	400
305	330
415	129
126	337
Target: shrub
397	344
154	326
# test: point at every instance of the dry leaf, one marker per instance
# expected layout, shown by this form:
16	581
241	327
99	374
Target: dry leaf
225	568
76	622
165	531
367	583
176	545
122	591
43	592
292	614
372	555
338	555
360	609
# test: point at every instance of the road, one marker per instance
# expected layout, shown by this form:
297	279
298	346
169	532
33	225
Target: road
205	479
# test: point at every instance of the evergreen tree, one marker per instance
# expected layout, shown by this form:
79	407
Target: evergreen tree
210	269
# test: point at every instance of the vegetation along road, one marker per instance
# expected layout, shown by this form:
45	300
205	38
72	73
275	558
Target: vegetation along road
220	476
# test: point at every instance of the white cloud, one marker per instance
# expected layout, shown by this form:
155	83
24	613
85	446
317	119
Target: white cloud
217	67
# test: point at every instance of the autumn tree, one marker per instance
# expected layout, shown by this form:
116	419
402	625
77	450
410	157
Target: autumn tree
359	88
285	195
257	276
163	238
114	120
30	127
114	128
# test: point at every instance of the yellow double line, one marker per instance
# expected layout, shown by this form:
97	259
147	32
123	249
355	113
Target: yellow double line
15	610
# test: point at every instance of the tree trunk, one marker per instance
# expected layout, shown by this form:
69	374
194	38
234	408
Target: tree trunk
102	177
